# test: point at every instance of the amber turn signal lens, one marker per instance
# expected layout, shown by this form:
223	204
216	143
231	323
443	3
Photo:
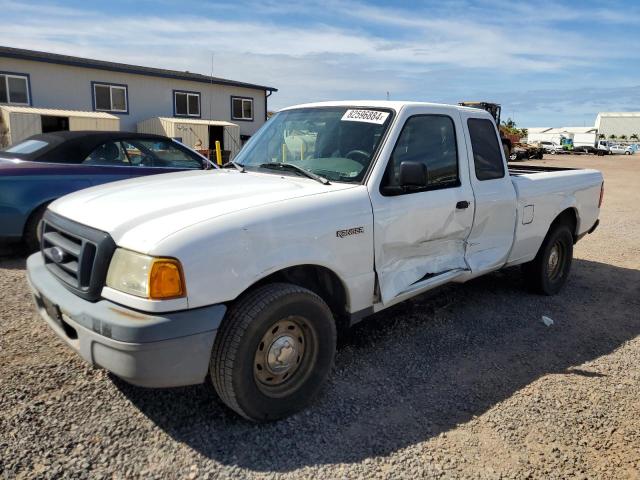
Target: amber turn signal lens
166	279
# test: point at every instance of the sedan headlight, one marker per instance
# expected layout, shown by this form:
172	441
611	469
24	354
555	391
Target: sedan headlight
144	276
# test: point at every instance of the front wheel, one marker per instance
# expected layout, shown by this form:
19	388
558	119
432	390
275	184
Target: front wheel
273	351
549	270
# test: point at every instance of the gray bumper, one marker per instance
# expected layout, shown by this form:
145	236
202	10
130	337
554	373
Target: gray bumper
162	350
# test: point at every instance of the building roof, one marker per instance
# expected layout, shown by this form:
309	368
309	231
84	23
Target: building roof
619	114
37	56
54	112
580	129
197	121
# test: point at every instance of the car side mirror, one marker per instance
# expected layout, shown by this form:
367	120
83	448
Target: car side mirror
413	174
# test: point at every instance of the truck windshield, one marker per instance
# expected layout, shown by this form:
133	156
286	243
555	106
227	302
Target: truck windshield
337	143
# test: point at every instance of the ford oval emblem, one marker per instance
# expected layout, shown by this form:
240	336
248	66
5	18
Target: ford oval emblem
57	254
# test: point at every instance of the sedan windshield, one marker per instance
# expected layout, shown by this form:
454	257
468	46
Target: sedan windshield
335	143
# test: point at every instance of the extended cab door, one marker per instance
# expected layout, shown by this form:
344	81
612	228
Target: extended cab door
495	214
420	233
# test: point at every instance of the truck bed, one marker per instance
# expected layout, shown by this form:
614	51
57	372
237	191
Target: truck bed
515	171
543	193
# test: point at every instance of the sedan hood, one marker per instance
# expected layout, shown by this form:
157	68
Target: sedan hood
139	213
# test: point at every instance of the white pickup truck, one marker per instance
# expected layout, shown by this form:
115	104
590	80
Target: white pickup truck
331	212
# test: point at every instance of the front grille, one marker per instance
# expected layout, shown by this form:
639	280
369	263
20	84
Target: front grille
77	255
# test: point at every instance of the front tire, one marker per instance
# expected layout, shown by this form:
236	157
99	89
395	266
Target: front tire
32	232
549	270
273	351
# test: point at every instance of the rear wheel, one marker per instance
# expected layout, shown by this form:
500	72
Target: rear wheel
273	351
548	272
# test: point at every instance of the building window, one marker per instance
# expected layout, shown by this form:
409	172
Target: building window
186	104
241	108
14	88
110	97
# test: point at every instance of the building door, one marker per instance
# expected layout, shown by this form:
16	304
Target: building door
54	124
216	133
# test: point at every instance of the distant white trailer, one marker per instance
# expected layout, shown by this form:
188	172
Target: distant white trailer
553	135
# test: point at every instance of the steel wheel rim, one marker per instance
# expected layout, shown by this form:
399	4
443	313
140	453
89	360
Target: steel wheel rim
555	261
283	356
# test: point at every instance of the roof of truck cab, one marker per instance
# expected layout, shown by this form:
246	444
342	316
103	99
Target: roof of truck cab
391	104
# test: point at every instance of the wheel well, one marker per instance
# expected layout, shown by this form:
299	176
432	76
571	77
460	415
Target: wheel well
320	280
33	213
567	217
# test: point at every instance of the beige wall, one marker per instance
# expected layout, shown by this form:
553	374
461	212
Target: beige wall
66	87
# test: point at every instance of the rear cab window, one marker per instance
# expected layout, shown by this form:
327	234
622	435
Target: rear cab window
487	152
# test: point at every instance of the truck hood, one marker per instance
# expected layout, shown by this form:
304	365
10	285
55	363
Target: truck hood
139	213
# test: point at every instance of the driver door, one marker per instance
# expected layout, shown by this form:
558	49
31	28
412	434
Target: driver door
420	234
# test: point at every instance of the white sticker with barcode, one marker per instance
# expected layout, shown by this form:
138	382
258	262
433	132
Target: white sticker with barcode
369	116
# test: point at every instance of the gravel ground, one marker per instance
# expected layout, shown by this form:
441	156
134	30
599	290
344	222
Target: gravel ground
463	382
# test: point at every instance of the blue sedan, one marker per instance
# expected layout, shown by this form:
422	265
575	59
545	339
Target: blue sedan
45	167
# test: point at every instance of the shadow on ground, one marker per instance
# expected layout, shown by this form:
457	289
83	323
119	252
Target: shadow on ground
418	369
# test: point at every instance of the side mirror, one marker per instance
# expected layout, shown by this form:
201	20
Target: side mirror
413	174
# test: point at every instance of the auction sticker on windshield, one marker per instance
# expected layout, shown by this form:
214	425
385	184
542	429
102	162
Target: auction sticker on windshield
369	116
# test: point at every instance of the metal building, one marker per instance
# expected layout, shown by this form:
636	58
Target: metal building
196	133
618	124
18	123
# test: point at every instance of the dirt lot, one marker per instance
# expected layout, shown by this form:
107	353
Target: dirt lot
463	382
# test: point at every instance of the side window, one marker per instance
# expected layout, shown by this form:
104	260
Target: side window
428	139
165	154
487	152
108	154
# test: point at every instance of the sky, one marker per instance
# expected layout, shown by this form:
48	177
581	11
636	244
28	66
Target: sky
548	63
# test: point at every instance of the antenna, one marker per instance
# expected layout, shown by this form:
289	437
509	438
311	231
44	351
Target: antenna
211	91
387	95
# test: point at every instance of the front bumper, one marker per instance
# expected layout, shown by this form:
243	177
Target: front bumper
162	350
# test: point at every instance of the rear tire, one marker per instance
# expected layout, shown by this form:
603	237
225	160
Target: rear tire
548	271
273	351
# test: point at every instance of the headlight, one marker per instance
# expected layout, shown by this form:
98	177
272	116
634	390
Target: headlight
145	276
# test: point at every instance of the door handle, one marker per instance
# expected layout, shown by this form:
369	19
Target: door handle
463	204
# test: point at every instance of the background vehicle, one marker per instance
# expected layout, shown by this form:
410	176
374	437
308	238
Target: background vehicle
44	167
395	199
617	149
552	148
526	152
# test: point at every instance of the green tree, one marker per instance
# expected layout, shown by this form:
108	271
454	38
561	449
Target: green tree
623	137
602	136
634	137
612	137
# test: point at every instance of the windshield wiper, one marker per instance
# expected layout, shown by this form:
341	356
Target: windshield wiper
238	166
295	168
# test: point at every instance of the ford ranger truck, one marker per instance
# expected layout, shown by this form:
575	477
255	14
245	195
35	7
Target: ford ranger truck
331	212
